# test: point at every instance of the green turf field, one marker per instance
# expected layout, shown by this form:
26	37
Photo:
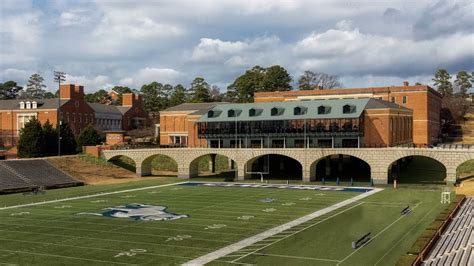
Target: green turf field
65	233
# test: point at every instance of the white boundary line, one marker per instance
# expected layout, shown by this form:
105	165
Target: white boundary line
276	230
90	196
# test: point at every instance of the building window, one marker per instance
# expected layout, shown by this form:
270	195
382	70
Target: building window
23	119
22	105
34	105
394	100
74	117
80	118
348	109
404	99
28	105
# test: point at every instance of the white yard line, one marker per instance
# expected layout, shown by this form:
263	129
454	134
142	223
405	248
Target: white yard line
379	233
276	230
407	233
294	257
90	196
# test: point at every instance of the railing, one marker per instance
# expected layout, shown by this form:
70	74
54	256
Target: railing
311	146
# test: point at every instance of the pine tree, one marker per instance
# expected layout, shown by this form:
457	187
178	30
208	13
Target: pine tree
178	96
199	91
89	137
31	143
442	81
68	142
35	87
50	139
462	83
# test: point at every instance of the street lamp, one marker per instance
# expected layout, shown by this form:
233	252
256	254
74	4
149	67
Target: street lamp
59	77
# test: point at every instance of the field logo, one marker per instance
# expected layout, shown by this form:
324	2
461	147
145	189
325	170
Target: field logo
140	212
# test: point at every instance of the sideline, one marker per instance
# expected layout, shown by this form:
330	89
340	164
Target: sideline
276	230
90	196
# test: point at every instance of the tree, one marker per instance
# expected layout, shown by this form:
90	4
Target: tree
9	90
89	136
215	93
50	135
121	90
463	83
154	97
35	87
31	143
199	91
310	80
100	96
443	83
178	96
274	78
48	95
68	142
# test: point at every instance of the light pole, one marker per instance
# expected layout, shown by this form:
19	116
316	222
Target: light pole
59	77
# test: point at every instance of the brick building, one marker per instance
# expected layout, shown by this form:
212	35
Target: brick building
74	110
288	124
423	100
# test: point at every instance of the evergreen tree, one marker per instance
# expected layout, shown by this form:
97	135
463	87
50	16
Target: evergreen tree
155	97
31	143
199	91
49	95
463	83
68	142
50	139
121	90
9	90
89	137
276	78
35	87
178	96
442	81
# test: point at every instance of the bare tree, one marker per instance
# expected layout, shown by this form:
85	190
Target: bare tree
318	80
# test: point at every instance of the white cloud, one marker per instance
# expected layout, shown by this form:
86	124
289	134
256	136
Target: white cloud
215	49
150	74
91	84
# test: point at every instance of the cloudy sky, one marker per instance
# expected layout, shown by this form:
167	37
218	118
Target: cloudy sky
122	42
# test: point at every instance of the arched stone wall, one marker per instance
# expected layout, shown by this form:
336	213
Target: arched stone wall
379	159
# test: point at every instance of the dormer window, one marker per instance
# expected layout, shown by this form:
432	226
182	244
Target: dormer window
231	113
255	112
28	105
275	111
252	112
299	110
210	113
348	109
213	113
322	110
22	105
34	105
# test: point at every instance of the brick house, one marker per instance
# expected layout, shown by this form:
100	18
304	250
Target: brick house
74	110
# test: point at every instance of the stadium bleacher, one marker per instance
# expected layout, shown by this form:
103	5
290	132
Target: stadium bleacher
21	175
455	246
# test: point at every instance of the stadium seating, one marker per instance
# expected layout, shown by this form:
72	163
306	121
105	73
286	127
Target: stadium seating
27	174
455	246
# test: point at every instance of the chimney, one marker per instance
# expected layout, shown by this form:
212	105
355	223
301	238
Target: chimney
127	99
66	91
405	83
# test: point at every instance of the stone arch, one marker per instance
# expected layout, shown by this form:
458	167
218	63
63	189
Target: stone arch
313	166
285	163
169	164
216	165
124	161
465	169
417	168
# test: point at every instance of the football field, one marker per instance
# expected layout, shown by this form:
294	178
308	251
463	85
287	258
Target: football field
153	223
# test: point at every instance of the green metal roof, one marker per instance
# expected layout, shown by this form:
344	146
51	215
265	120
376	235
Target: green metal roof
285	110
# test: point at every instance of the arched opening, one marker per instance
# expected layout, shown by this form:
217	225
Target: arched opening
274	167
124	162
417	170
465	170
161	165
344	168
213	166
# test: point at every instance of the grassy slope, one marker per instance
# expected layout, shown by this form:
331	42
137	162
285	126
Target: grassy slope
331	239
49	235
